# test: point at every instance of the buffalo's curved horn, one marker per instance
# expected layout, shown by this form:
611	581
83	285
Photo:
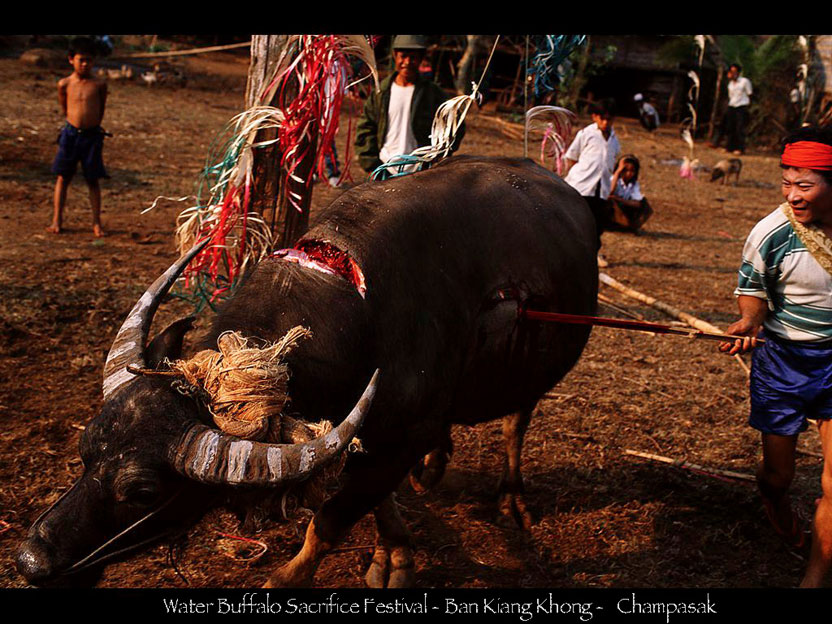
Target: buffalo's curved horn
211	456
129	344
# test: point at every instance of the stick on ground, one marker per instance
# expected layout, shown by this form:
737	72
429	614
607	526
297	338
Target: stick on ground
681	463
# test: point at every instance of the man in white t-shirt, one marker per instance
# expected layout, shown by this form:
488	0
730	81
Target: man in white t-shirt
736	115
398	117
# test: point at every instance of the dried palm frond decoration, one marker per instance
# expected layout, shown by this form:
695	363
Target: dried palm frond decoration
238	235
687	129
555	123
305	96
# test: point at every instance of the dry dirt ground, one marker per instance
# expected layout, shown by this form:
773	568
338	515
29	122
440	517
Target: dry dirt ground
602	518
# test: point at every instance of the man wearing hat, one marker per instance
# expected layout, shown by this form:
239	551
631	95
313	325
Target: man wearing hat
647	114
397	119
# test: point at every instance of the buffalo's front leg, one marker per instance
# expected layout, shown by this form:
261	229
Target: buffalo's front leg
300	571
431	468
512	504
392	564
367	480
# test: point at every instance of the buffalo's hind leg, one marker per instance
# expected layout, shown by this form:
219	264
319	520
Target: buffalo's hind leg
392	564
512	504
368	480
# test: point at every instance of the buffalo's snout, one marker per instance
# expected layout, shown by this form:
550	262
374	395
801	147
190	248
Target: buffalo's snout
35	561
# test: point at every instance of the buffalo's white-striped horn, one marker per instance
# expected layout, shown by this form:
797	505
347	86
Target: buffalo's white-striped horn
211	456
129	344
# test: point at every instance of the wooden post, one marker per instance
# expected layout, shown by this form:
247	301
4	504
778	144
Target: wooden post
271	185
265	51
719	72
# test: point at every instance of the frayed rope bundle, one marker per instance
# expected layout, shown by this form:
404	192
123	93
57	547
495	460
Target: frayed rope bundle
247	385
247	388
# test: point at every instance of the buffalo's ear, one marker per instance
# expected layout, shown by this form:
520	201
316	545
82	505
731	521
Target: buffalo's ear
168	343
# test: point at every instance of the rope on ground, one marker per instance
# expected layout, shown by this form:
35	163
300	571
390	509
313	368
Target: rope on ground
168	53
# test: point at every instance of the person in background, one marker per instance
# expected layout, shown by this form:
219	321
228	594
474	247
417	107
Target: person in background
647	113
397	119
630	209
590	160
82	98
735	121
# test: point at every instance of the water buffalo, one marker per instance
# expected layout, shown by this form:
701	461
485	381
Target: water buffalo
420	278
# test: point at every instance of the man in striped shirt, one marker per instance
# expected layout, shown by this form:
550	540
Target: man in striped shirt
785	294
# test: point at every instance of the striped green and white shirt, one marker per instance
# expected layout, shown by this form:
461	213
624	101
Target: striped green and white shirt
776	266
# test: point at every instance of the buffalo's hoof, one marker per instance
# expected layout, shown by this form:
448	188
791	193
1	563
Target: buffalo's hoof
391	568
288	576
513	512
428	472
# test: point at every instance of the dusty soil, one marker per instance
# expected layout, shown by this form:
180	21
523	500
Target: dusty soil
602	518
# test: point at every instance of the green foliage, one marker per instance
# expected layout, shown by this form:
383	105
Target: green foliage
762	61
677	50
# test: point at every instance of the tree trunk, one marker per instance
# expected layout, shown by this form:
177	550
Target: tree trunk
271	185
466	64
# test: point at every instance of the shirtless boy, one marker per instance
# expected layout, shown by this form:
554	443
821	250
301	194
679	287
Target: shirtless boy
82	100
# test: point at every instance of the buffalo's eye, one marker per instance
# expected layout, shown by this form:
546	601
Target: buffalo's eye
142	493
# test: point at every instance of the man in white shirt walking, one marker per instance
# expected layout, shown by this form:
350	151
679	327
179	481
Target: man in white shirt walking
590	161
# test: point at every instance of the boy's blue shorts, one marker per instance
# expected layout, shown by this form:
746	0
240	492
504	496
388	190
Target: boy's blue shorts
790	382
84	146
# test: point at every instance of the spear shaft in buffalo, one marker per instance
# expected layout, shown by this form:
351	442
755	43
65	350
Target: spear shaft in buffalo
658	328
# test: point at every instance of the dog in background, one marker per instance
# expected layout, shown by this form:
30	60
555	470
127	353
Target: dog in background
724	169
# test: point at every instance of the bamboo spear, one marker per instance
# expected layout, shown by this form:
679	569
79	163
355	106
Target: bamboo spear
670	310
583	319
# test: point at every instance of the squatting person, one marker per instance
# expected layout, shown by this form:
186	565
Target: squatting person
785	294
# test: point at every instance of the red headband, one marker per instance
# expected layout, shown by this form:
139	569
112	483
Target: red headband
808	155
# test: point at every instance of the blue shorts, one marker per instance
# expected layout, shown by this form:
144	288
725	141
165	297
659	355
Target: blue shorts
84	146
790	382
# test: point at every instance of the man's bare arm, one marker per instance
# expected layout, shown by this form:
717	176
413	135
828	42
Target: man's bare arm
103	96
62	95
